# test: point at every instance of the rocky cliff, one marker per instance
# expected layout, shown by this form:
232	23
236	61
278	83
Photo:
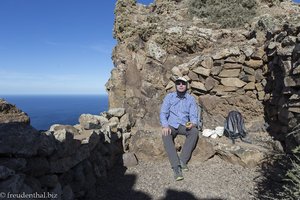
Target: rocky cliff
253	69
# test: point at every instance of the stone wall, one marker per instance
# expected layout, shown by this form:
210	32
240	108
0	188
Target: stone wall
282	102
65	161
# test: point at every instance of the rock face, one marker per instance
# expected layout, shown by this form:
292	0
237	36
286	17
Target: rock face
253	69
65	160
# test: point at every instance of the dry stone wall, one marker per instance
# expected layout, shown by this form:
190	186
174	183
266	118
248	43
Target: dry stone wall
65	161
282	102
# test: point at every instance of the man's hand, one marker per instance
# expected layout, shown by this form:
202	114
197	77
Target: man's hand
166	131
189	125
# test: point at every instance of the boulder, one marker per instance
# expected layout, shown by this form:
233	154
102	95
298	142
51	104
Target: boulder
88	121
68	128
247	155
147	145
116	112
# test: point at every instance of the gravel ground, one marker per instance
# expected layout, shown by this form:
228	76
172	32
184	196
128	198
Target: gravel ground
213	179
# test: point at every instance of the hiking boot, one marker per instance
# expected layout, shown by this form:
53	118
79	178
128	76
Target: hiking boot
184	167
178	174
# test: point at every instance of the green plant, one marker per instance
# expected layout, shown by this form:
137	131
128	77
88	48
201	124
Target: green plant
227	13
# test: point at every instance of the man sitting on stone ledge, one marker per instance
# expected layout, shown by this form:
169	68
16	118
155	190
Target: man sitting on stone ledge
179	115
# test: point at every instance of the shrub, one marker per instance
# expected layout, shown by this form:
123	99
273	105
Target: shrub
227	13
292	186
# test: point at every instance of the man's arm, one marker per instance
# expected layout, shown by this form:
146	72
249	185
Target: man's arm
164	115
165	112
193	113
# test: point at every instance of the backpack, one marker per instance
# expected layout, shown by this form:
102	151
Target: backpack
234	126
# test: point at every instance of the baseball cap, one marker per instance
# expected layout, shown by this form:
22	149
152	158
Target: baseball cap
181	79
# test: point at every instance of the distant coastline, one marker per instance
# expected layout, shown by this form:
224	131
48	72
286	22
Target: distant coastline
46	110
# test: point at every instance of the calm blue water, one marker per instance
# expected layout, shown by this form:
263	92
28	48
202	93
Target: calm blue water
47	110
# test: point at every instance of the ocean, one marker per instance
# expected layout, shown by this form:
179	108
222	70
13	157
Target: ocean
46	110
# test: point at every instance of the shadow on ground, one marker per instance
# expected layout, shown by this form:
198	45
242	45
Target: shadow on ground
270	184
179	195
119	186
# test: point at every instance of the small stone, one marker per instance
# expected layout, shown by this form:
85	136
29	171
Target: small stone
249	86
207	63
232	82
202	71
198	86
255	64
249	70
232	66
261	95
258	53
175	71
216	70
210	83
259	87
229	73
129	160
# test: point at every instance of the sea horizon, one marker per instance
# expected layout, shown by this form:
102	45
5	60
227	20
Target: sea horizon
45	110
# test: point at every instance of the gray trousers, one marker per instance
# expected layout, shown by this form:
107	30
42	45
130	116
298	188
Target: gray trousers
188	146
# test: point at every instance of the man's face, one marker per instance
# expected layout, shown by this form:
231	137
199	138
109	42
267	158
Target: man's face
181	86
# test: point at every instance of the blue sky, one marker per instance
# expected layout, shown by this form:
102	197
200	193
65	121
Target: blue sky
56	46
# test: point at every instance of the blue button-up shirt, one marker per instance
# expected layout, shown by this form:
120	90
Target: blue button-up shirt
175	111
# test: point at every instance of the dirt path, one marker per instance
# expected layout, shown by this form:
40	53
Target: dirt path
214	179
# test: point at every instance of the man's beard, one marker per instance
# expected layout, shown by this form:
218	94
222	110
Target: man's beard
180	94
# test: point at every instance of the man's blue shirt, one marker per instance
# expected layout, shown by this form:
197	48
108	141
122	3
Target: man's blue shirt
175	111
